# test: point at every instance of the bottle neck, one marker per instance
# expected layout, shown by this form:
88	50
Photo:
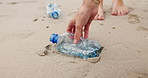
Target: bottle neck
54	38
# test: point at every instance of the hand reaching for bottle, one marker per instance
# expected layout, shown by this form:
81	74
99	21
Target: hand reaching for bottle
80	24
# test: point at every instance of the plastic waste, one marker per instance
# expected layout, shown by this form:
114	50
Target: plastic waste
85	48
53	11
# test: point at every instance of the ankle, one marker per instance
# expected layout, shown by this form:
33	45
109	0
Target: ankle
118	2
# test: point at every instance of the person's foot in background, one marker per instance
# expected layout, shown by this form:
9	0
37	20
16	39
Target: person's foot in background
100	14
119	8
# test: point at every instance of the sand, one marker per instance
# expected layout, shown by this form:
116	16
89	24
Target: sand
25	30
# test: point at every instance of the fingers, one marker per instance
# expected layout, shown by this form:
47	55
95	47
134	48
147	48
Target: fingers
71	26
73	30
78	34
80	22
86	29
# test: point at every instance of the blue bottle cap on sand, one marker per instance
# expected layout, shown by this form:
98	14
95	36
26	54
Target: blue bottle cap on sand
54	38
55	15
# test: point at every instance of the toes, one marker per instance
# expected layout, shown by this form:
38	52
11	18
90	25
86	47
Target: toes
120	11
126	11
102	18
114	12
96	17
99	17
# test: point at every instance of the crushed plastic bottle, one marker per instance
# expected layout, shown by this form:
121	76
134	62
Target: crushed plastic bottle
53	11
85	48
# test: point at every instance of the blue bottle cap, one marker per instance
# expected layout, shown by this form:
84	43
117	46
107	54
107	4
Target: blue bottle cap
55	15
54	38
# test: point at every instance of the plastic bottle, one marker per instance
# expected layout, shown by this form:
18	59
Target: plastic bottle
85	48
53	11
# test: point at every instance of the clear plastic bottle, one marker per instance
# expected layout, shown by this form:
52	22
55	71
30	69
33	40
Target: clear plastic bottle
53	11
85	48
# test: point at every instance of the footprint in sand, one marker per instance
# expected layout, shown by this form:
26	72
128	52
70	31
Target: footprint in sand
4	15
144	29
130	9
46	50
142	74
24	35
127	46
20	36
145	10
133	19
141	28
82	71
7	13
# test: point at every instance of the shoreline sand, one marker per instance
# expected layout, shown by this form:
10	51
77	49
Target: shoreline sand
25	29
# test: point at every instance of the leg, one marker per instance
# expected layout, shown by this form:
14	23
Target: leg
119	8
100	14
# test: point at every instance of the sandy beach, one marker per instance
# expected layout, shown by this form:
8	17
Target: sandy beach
25	29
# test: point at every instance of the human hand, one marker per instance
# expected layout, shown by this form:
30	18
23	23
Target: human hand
80	24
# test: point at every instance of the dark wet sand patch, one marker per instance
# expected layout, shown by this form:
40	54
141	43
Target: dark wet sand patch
141	28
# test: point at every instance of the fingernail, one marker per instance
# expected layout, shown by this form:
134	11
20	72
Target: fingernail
75	42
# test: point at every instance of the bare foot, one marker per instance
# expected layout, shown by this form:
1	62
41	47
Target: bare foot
100	14
119	8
